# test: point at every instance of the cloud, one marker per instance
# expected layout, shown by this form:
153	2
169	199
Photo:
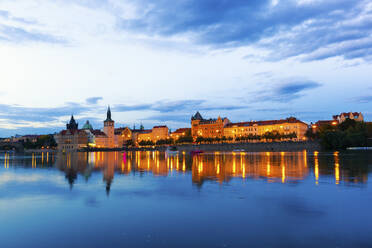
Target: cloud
19	29
166	106
22	114
4	14
128	108
93	100
314	30
284	92
363	99
169	118
17	34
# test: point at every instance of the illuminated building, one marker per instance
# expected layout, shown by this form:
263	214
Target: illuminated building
155	134
138	135
283	127
181	132
211	128
109	130
74	138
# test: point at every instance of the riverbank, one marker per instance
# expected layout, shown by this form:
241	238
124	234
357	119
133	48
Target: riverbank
248	147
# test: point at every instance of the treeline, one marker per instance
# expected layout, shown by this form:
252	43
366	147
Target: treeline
349	133
267	137
43	141
170	141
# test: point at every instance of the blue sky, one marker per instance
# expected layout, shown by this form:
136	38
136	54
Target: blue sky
160	61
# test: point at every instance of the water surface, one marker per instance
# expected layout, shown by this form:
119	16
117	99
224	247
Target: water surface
149	199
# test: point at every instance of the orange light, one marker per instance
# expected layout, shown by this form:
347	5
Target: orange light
334	123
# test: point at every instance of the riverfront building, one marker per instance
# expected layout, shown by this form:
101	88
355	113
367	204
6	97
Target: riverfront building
259	128
338	119
207	128
352	116
180	132
154	134
74	138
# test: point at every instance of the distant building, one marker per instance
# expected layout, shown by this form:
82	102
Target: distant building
74	138
25	138
337	119
351	115
284	126
211	128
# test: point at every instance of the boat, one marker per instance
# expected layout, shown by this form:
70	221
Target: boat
171	150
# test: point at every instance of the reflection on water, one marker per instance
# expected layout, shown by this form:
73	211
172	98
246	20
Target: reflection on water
283	167
291	199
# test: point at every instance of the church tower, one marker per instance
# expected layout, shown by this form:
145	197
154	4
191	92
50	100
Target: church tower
109	129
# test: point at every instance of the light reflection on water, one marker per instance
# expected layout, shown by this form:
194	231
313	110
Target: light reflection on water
217	199
284	167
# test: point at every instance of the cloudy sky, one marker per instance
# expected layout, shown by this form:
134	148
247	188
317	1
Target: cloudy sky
160	61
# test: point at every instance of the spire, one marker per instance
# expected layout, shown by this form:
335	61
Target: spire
197	116
108	114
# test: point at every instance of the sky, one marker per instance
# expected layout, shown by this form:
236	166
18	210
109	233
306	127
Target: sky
158	62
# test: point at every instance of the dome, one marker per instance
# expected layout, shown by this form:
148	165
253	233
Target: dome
87	125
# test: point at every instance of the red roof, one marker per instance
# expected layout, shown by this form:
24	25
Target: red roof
98	133
355	114
160	126
181	130
119	130
71	132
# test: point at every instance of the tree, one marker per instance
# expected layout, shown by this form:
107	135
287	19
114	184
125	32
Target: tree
129	143
184	139
350	133
146	143
164	142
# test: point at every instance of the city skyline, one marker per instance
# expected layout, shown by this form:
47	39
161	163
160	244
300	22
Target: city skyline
76	57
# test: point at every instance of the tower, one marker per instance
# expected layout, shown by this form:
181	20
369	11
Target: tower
109	129
195	120
72	125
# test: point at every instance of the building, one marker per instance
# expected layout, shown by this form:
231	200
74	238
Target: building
211	128
72	138
337	119
315	127
180	132
154	134
109	130
351	115
25	138
259	128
